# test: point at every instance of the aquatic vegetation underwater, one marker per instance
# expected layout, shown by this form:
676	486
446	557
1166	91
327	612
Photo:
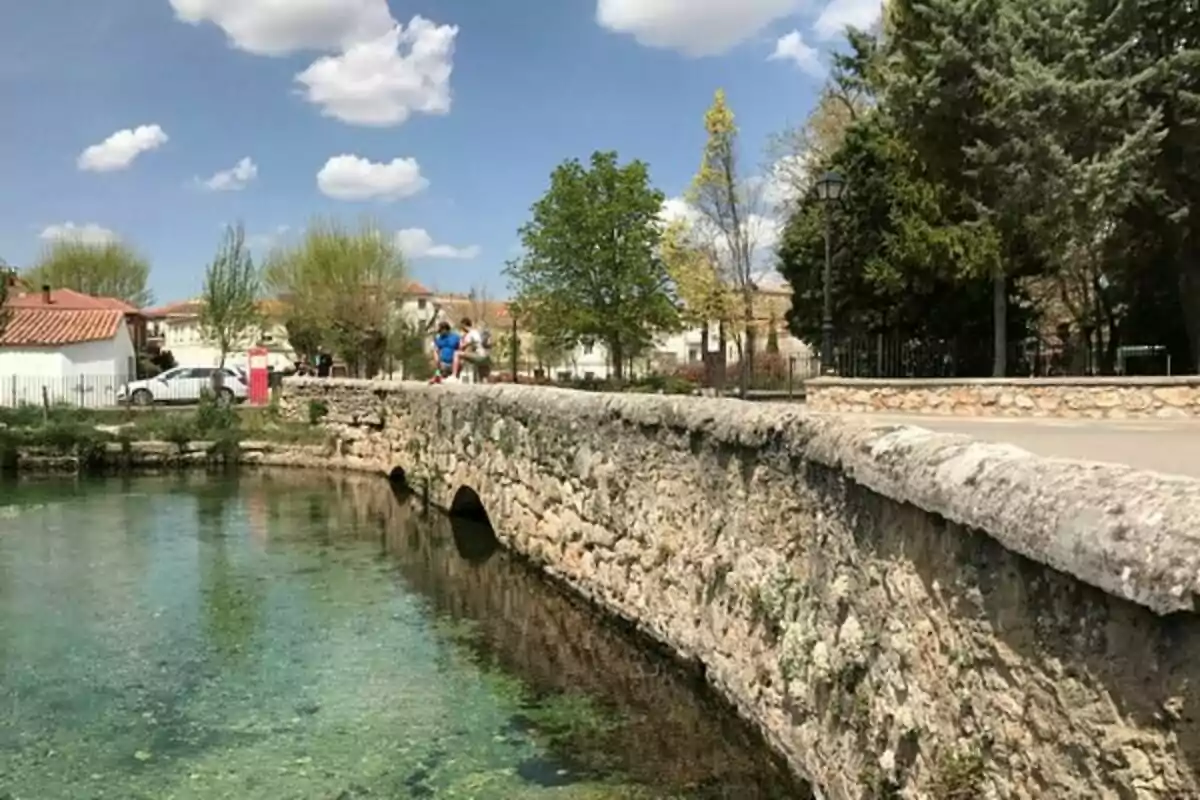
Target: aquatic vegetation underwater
191	639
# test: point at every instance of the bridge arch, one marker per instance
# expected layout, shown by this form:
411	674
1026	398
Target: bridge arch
398	477
474	537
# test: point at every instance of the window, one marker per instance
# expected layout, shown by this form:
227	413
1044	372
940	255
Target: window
693	355
587	348
420	304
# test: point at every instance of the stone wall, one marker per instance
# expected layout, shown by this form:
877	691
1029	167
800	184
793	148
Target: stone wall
899	611
1090	398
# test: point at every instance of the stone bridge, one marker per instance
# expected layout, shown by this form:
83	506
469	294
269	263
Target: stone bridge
902	613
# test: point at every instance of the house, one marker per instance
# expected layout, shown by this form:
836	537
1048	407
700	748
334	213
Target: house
79	356
71	300
176	328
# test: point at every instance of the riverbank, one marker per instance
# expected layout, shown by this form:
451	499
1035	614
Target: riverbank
73	440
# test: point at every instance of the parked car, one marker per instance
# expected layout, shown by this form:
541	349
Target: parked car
184	385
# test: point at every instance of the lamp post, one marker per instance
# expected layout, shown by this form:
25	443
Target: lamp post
829	190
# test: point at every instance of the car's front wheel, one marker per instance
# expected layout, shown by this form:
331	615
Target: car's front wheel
142	397
225	397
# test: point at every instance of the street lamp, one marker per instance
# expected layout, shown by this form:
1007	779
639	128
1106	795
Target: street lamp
830	188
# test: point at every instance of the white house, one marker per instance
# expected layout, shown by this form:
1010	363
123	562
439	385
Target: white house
176	327
75	356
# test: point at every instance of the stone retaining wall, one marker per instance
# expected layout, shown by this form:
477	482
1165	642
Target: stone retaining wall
1091	398
902	613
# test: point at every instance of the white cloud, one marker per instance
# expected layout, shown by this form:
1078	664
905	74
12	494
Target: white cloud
233	179
792	47
88	233
383	81
119	151
417	243
348	177
377	72
694	27
278	27
842	14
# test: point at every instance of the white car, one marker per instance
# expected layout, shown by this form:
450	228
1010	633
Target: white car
183	385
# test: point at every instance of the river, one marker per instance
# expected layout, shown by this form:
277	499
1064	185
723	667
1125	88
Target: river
280	635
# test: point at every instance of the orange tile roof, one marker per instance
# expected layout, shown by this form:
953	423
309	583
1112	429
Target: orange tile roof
45	326
70	300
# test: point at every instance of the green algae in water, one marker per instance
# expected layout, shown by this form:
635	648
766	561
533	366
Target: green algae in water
296	636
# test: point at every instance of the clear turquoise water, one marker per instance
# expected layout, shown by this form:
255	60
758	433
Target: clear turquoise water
294	635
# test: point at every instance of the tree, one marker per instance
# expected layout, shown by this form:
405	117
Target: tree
591	268
730	207
108	269
6	277
343	288
946	61
229	301
548	353
904	246
846	98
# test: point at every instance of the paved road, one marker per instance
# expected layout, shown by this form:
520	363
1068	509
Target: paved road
1162	445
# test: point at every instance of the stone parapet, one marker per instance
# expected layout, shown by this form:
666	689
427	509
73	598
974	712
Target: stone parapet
903	613
1079	398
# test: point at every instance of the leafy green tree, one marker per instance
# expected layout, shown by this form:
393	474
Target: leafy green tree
899	249
6	276
1156	248
591	268
229	309
109	269
343	287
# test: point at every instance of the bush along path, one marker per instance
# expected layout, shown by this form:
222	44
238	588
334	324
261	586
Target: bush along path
74	440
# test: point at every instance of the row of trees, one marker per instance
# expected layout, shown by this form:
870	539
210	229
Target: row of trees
338	289
600	263
1014	167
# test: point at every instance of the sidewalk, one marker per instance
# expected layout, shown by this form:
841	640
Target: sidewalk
1171	446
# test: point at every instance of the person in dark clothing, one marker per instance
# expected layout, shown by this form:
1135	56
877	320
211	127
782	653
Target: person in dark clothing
324	365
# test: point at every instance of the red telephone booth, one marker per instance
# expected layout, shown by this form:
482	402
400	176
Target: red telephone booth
260	389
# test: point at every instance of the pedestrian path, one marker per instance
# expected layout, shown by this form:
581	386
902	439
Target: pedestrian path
1171	446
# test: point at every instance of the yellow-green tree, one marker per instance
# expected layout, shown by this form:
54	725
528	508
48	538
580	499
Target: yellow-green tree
730	208
230	294
342	286
105	269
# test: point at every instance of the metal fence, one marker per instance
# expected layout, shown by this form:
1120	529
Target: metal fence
81	391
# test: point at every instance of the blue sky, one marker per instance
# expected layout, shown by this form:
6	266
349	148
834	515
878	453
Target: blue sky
440	119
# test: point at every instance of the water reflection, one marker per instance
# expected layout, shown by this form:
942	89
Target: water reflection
301	635
671	733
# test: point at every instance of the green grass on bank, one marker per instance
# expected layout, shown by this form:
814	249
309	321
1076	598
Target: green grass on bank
87	433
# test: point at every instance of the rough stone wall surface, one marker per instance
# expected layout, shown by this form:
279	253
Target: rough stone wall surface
903	613
1081	398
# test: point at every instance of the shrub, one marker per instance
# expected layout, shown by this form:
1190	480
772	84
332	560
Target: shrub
225	449
179	430
213	416
317	411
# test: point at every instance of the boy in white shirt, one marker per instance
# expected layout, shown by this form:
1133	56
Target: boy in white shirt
474	349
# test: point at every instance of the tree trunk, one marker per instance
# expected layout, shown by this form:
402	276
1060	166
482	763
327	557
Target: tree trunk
705	357
748	341
616	354
999	322
720	360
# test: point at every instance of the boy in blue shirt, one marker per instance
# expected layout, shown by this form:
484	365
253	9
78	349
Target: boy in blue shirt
445	345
